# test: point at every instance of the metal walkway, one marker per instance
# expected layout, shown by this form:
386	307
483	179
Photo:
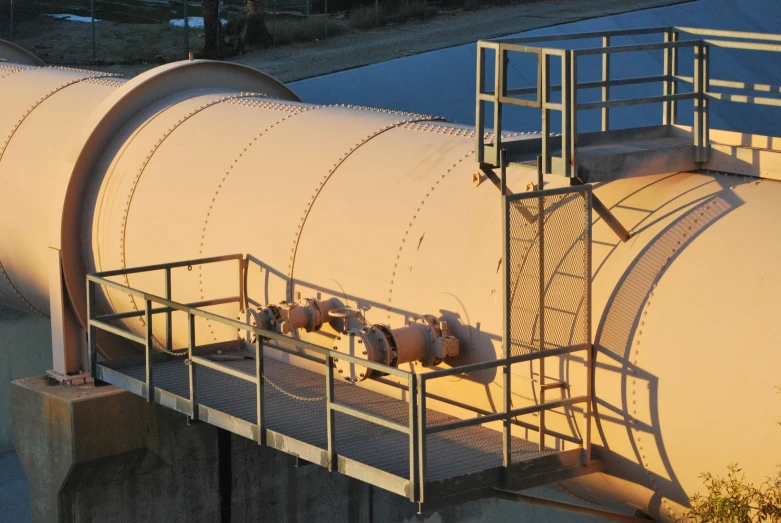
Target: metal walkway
466	460
391	440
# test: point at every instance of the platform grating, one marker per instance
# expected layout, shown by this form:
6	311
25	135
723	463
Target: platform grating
294	402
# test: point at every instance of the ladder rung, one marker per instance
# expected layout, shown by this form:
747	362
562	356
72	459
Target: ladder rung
554	385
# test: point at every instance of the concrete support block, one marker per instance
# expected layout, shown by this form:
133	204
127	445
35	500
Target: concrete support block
103	454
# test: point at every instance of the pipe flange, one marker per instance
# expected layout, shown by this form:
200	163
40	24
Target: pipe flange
369	343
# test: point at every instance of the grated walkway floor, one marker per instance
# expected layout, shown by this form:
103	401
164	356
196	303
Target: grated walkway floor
294	402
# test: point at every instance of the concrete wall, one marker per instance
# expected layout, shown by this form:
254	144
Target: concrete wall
25	350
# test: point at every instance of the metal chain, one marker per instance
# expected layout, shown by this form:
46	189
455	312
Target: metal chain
251	356
163	348
290	394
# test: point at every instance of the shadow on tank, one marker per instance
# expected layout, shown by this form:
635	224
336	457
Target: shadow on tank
617	329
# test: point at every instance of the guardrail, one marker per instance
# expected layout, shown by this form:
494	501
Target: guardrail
569	106
417	428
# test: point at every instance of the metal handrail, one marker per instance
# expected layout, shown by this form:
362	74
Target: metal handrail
414	383
488	154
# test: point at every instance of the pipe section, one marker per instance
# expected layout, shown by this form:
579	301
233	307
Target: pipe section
375	211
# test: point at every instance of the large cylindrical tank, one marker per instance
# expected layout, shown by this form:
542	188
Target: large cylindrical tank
378	209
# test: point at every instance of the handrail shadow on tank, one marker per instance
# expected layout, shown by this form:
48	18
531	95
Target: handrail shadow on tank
617	329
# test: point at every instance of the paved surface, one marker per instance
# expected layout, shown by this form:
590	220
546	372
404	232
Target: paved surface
357	48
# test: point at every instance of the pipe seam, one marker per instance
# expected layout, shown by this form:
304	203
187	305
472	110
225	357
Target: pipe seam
325	179
299	110
409	226
4	147
155	147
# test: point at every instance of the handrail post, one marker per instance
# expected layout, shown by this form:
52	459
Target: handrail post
669	108
506	340
242	284
545	99
414	448
422	461
191	367
150	388
91	330
330	413
573	162
541	235
168	315
605	86
705	129
500	89
566	115
479	105
590	355
698	101
259	390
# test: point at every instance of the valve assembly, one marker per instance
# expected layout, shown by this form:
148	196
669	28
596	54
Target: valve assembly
424	340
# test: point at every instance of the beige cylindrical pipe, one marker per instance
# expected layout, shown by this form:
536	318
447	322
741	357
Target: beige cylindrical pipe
378	211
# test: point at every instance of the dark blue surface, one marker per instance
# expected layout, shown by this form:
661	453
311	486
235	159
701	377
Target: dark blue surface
443	82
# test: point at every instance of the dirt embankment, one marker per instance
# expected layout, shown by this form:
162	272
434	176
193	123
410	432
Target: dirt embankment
62	41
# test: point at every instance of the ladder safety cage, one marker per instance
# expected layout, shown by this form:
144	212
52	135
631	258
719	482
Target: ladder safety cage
700	87
547	292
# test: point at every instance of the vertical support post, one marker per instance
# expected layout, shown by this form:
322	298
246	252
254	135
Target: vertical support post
169	314
541	235
377	12
480	105
91	330
545	95
186	31
92	15
11	23
697	80
590	354
331	415
605	86
242	283
274	23
566	116
506	332
260	388
705	107
674	89
308	8
325	15
150	386
191	367
500	89
670	54
414	456
422	465
573	135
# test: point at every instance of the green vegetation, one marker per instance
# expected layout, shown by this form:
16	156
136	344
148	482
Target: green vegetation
732	499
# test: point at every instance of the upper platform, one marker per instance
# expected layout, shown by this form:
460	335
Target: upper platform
681	140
